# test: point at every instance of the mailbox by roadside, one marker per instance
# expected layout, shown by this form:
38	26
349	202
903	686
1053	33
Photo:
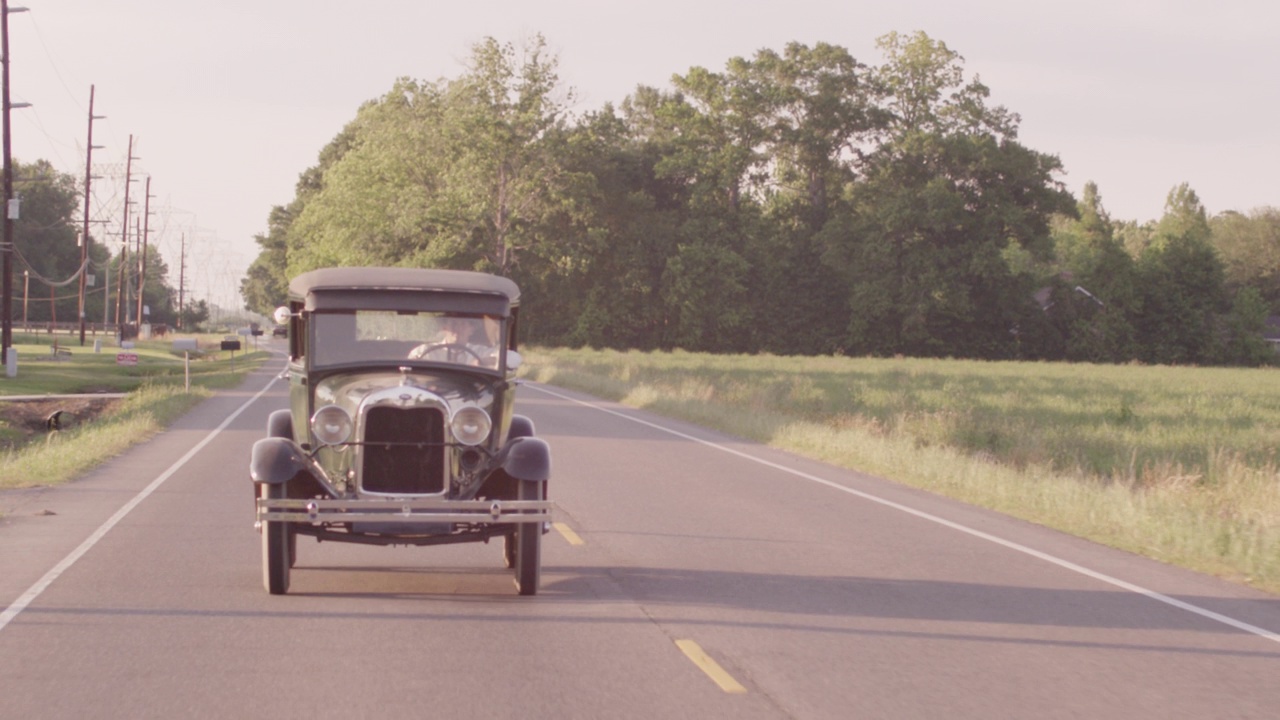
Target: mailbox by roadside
230	342
186	346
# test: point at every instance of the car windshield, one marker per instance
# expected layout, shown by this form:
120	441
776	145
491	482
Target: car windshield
380	336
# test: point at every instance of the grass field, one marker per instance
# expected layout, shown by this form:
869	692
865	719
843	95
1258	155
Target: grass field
1179	464
89	371
157	394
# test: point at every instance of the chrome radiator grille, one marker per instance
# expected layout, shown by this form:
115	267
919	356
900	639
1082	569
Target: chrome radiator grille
403	451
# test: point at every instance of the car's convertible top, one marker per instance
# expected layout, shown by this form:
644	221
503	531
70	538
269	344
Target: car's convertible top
382	278
374	288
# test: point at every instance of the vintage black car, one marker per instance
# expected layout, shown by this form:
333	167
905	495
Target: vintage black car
401	428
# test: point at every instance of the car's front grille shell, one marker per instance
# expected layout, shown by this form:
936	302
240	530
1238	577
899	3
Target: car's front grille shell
403	451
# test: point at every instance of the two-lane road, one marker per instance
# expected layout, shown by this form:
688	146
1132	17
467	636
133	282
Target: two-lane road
691	575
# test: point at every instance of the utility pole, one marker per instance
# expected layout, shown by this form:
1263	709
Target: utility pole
84	239
136	306
6	303
122	281
142	251
182	269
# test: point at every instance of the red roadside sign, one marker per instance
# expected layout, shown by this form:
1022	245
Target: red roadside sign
126	358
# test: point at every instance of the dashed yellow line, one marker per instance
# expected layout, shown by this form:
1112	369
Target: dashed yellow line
712	668
691	649
568	533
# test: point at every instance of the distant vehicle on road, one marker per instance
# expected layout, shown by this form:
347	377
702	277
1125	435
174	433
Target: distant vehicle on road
280	331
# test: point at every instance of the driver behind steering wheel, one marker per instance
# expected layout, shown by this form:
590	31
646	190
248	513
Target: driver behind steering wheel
458	339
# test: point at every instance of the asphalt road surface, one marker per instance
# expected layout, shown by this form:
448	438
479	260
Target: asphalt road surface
689	575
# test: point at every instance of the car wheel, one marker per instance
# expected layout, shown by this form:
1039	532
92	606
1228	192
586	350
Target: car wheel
276	541
528	544
509	550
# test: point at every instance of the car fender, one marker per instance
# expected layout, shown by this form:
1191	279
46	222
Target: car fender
277	460
526	458
521	426
280	424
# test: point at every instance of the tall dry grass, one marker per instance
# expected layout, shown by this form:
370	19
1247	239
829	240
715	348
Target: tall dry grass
157	396
65	454
1178	464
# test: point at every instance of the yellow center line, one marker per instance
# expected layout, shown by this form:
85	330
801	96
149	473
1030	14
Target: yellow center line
568	533
713	670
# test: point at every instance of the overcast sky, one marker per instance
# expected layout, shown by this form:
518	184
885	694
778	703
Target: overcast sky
229	101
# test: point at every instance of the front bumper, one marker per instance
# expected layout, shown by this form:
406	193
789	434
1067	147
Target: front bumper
407	512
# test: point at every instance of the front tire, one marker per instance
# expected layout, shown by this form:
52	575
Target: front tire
509	551
277	546
528	544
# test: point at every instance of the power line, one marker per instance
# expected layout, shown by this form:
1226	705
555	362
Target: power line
49	56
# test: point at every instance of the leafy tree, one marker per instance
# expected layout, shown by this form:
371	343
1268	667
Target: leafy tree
706	298
609	281
704	141
504	131
1249	245
1100	291
450	174
1181	281
1135	237
1184	217
266	284
794	201
758	147
714	125
924	245
195	315
822	112
371	205
1245	325
798	302
926	91
45	239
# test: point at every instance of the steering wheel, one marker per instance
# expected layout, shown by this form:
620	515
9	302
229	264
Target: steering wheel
426	349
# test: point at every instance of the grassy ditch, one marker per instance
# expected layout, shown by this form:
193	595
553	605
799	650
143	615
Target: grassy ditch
100	430
1178	464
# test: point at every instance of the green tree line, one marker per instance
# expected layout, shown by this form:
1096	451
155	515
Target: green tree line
794	202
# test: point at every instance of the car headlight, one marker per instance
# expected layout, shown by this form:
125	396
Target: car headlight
331	425
471	425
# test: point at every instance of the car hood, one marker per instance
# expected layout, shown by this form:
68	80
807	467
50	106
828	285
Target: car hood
348	390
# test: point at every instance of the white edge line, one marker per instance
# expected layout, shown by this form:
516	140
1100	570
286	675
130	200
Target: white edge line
43	583
1153	595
